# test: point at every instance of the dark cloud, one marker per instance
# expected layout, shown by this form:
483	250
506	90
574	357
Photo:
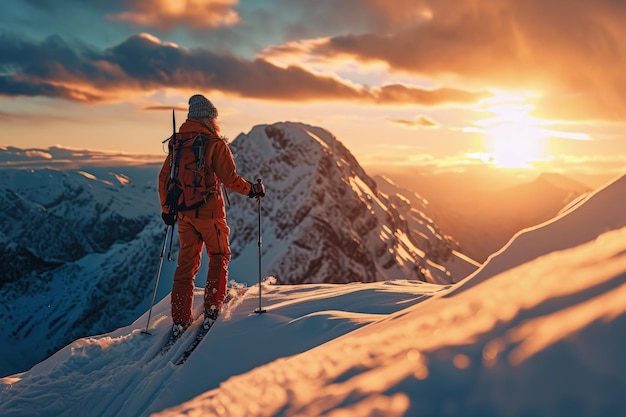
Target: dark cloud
12	87
52	68
153	65
304	19
56	68
69	8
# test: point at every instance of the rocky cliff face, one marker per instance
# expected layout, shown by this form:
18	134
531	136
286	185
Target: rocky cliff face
325	218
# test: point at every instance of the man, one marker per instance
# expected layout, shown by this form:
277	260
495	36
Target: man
204	226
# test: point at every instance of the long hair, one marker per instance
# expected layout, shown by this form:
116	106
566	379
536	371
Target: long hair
212	125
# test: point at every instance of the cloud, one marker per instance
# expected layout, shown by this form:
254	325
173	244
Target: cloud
154	65
399	93
142	63
161	107
59	69
419	122
301	19
11	86
62	157
52	68
38	154
570	51
167	15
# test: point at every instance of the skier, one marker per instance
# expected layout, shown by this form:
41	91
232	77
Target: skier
206	225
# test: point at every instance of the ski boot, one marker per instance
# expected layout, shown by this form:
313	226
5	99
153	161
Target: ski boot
210	316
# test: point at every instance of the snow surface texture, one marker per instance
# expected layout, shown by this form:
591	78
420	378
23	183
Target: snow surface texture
82	235
65	243
542	336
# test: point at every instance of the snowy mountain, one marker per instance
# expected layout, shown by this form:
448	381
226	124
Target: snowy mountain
539	329
327	219
81	234
66	239
483	219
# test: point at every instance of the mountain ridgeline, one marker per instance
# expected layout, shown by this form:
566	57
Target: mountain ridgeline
325	219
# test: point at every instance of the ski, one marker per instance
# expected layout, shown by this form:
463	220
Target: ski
171	341
194	344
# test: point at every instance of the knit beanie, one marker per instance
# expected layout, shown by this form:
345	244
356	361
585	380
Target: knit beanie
200	107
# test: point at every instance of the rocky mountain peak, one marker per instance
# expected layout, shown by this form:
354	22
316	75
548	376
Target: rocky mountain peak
327	215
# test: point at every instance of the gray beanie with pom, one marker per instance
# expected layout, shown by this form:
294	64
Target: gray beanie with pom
201	108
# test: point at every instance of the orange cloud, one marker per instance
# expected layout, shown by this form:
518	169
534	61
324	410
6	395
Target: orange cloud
570	51
168	14
398	93
419	122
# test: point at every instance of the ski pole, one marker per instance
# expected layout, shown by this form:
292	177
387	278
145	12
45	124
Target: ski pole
260	310
173	172
158	275
169	253
226	194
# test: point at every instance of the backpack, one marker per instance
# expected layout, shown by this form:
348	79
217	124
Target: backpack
187	187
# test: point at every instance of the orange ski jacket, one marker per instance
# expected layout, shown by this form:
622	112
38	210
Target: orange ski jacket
220	166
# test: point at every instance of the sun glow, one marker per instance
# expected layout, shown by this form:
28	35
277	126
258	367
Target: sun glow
514	138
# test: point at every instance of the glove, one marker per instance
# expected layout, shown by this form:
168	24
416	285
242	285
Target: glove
169	218
256	190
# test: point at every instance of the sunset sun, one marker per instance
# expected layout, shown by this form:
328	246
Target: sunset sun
513	137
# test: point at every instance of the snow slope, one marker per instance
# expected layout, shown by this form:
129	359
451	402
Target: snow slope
584	220
544	335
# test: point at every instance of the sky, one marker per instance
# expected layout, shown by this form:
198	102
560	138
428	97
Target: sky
440	84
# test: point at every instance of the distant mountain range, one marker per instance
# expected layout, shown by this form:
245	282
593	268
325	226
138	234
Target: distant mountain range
582	221
79	252
483	218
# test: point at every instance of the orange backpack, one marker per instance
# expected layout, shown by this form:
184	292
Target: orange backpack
187	187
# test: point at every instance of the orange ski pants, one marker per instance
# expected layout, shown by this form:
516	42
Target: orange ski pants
194	234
